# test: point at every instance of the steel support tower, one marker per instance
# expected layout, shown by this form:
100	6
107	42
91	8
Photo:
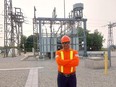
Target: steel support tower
12	28
110	34
35	34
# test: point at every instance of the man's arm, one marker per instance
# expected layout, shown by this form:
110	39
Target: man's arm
75	61
60	61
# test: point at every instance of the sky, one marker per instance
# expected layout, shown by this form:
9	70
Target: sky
98	13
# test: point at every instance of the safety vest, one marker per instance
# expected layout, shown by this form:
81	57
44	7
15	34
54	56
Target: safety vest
71	57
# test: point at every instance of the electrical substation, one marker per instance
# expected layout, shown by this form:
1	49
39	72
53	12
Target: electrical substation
50	31
31	61
47	30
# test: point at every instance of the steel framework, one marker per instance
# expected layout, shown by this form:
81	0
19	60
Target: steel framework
35	34
51	21
51	29
12	28
110	34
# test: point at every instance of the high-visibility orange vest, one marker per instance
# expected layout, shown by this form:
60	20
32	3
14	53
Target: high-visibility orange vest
67	61
62	57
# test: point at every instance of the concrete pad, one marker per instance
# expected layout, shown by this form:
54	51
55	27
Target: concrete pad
32	80
95	63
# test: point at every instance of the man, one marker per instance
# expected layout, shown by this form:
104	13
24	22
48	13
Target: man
67	59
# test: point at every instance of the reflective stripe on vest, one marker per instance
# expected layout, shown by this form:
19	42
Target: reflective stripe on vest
71	57
62	57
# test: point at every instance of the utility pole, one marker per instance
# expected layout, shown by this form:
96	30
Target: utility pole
64	8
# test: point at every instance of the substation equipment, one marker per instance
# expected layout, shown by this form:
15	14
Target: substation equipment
50	30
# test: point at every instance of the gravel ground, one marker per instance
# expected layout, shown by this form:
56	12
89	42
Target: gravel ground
13	78
86	77
18	77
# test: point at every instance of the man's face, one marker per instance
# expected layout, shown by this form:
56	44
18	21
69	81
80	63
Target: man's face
66	45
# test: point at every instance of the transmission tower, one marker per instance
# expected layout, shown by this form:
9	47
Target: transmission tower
12	28
110	33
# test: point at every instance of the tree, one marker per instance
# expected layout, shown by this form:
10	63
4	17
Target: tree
94	41
22	44
29	43
81	37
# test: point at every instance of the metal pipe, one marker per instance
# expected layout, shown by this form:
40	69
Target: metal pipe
85	42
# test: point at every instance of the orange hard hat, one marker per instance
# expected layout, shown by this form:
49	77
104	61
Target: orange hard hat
65	38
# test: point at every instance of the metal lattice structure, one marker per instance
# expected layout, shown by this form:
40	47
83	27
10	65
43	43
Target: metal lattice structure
35	34
110	34
12	28
51	29
52	36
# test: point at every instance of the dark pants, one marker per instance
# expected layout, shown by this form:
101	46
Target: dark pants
64	81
